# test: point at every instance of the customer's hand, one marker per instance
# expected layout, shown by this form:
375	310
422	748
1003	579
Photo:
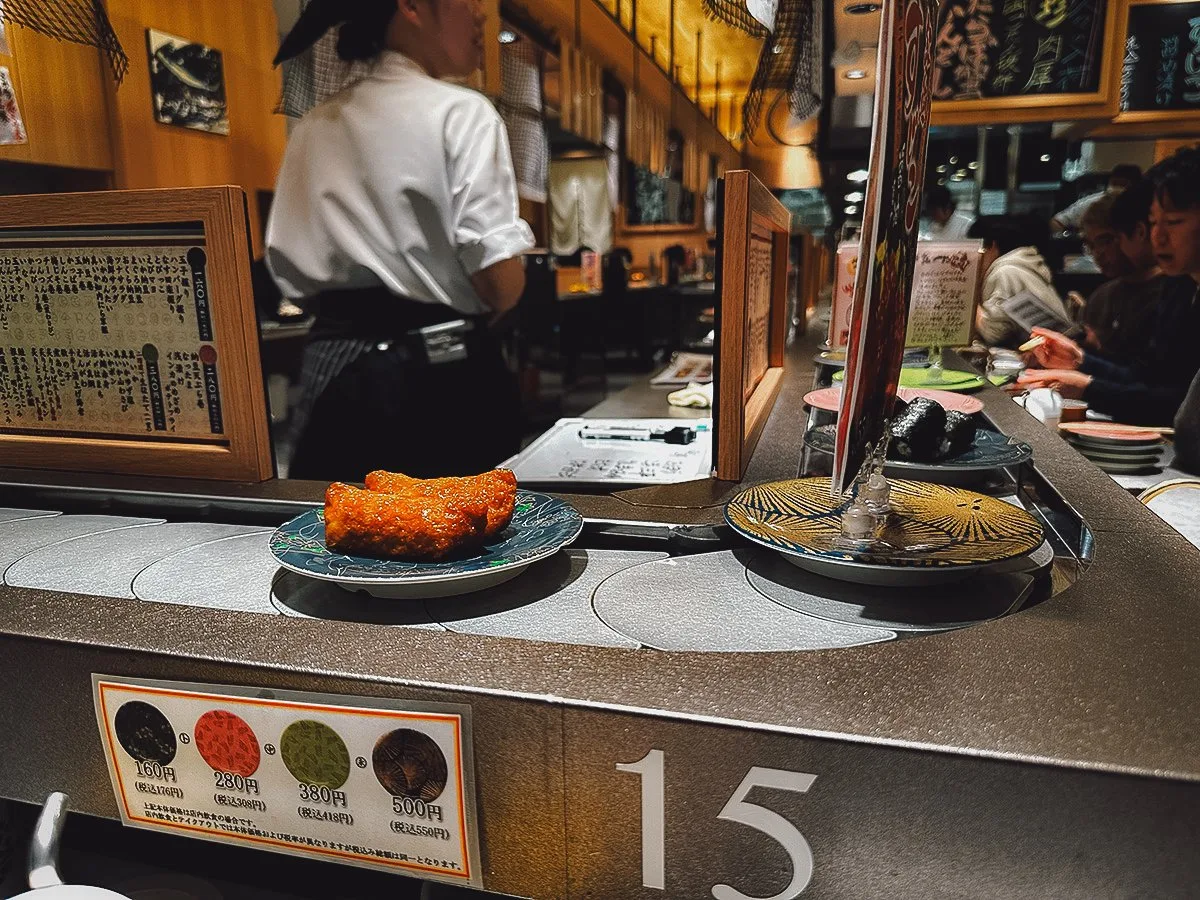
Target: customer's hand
1069	383
1058	351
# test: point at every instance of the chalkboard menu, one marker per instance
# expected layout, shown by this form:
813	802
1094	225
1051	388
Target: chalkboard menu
128	337
1161	69
1013	48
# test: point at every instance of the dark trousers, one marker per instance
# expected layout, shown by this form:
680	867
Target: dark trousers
392	409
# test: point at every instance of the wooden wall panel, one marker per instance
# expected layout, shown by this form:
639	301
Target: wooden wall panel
148	154
62	93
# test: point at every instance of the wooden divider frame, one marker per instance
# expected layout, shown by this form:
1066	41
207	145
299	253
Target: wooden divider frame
750	220
246	455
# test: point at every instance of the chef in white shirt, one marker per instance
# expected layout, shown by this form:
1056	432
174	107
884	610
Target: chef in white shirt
1071	218
395	220
945	222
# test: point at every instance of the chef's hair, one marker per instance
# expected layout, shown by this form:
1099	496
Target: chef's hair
363	34
1131	207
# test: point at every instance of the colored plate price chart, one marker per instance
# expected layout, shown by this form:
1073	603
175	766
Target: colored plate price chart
377	783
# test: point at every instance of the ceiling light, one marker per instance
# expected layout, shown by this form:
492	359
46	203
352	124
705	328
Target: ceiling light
1045	157
953	160
972	165
862	9
855	74
858	176
851	210
854	197
507	37
941	168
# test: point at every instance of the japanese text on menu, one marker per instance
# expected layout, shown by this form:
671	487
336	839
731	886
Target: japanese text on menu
1001	48
111	341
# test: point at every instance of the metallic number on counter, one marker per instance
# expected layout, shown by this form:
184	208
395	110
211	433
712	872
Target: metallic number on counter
654	829
773	825
651	769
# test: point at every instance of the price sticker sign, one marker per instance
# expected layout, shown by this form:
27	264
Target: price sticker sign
371	782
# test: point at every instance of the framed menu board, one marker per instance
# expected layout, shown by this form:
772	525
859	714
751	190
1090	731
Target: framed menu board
752	254
128	335
1160	73
1025	61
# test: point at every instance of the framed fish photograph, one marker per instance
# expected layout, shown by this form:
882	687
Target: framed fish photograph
187	83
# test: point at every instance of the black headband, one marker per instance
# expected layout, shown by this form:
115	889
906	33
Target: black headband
316	18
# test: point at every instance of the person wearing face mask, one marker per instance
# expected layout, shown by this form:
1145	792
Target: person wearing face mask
395	218
1119	316
1150	390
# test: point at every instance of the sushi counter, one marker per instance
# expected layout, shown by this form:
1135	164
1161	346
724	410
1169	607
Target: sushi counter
660	709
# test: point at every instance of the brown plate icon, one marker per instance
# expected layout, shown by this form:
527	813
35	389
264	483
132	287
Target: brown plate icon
409	764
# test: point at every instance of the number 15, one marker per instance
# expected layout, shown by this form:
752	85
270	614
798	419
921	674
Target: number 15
651	770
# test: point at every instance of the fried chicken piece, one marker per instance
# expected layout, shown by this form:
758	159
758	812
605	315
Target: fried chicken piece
497	488
391	526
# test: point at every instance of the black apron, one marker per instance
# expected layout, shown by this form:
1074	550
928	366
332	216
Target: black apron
391	383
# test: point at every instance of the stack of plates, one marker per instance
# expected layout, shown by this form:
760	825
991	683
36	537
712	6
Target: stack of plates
1118	449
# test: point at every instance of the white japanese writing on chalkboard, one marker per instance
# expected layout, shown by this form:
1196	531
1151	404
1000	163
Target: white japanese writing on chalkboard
112	340
989	48
1161	70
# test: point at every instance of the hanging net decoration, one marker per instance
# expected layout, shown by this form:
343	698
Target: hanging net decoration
78	21
736	14
790	62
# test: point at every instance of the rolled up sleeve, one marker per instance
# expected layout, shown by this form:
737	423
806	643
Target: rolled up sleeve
487	225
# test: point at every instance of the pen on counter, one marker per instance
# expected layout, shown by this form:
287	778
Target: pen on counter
677	435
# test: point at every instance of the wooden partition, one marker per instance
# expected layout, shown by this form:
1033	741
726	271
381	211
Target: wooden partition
752	256
130	341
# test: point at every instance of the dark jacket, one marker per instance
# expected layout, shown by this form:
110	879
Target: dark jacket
1150	390
1187	431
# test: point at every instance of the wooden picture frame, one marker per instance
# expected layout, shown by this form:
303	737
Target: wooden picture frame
753	230
222	369
1145	123
1100	104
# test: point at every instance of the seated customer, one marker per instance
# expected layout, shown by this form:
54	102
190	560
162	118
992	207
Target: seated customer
1119	316
1150	390
1187	431
1012	265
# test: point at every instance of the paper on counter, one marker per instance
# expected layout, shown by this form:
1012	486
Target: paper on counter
686	368
561	456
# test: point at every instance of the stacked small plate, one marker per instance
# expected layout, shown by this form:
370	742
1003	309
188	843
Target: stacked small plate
1116	449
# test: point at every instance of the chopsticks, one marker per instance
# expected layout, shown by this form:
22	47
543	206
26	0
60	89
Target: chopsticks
1033	342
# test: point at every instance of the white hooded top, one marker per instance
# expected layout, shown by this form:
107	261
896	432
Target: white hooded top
1022	269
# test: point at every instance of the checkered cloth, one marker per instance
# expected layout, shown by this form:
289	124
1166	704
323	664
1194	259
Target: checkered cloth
316	75
78	21
790	61
520	106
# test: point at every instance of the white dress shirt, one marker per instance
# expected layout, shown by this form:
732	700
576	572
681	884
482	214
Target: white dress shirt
954	229
400	180
1072	216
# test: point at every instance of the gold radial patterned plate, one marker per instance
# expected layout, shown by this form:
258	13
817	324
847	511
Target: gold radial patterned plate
935	532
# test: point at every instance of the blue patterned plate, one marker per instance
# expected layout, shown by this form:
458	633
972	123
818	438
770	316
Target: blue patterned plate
991	450
541	526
